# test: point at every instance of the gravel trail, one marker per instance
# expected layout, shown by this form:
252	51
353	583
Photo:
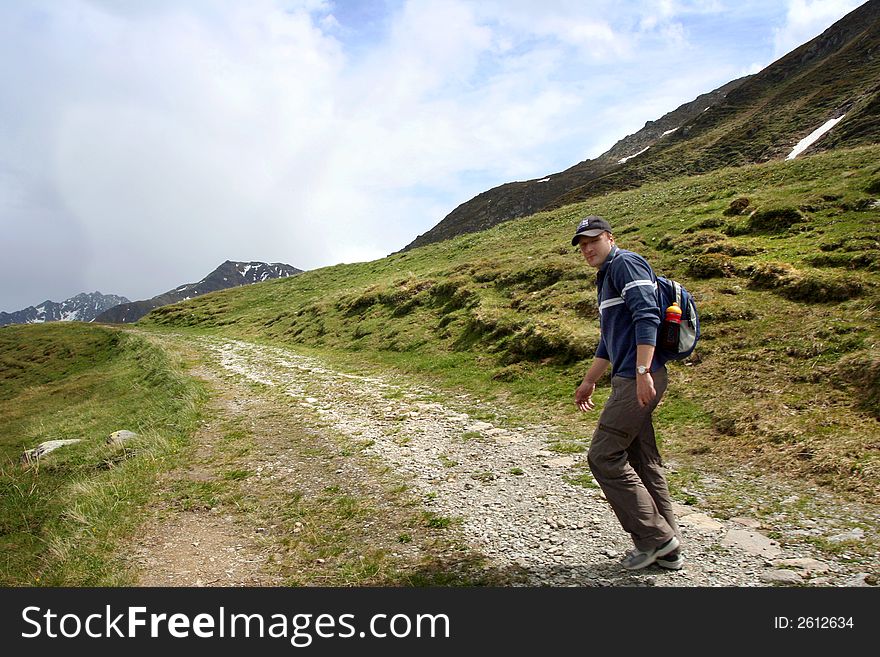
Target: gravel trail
514	498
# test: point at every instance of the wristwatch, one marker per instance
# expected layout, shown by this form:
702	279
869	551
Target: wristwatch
641	369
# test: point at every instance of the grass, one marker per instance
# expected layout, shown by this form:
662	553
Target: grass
62	517
509	314
785	379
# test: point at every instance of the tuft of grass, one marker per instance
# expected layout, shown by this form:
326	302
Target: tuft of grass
435	521
567	447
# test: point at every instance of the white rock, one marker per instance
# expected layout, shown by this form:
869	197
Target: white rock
702	522
808	565
752	542
120	437
856	534
747	522
781	577
560	462
45	447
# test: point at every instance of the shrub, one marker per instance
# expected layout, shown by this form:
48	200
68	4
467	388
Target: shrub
536	277
770	275
737	207
713	222
510	372
710	265
774	220
453	294
358	303
862	372
821	288
534	342
813	287
866	204
862	260
737	229
731	249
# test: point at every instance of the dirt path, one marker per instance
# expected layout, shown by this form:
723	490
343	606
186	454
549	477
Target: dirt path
323	477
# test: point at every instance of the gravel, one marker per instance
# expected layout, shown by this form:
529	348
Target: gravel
513	497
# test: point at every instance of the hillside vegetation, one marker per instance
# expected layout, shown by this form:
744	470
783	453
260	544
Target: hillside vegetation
751	120
783	259
60	517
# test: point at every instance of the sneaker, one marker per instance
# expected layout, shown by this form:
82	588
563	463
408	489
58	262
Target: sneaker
637	559
672	561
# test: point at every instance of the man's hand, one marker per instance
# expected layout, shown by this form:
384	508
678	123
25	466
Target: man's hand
645	391
583	396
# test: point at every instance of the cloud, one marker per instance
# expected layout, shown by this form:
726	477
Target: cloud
145	143
806	19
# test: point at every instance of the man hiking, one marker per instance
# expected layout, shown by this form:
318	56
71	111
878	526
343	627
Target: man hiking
623	456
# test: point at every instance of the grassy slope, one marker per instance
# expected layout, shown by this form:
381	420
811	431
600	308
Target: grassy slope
786	375
59	518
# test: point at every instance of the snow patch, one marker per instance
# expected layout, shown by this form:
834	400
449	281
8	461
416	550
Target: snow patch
669	132
544	180
813	137
629	157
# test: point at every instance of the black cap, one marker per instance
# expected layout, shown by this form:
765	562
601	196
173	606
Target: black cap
590	227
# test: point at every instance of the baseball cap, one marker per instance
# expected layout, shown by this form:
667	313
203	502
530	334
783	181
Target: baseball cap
590	227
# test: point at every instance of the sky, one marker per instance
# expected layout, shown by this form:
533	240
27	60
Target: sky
144	143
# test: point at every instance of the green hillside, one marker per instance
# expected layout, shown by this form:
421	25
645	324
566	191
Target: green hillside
60	519
754	119
784	261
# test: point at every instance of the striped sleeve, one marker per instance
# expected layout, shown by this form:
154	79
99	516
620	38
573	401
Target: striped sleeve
638	286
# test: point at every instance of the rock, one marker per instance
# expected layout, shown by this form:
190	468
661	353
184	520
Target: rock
861	579
747	522
681	510
559	462
44	448
855	534
752	542
119	438
809	566
702	522
782	576
479	427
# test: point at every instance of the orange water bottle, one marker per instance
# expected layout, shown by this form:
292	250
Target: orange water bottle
671	328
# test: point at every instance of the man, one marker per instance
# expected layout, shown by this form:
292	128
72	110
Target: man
623	455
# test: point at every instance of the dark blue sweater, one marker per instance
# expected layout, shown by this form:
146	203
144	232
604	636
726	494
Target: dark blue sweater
629	313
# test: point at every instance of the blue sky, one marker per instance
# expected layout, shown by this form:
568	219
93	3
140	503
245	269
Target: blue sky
144	143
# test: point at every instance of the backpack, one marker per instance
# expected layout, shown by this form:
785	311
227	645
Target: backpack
669	291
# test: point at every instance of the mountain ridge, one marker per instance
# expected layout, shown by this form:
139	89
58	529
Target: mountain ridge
229	274
83	307
750	120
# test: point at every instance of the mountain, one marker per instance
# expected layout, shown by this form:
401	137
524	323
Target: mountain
83	308
754	119
229	274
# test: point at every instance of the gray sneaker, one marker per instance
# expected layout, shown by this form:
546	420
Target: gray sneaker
672	561
638	559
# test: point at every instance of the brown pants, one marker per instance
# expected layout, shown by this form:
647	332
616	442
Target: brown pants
626	463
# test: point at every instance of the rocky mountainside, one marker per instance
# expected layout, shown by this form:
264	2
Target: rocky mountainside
750	120
83	307
229	274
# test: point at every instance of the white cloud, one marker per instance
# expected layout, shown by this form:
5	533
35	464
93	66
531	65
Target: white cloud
806	19
156	139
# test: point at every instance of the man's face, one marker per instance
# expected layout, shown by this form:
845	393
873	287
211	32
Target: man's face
596	249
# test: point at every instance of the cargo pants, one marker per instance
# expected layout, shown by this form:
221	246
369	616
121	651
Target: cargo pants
626	463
